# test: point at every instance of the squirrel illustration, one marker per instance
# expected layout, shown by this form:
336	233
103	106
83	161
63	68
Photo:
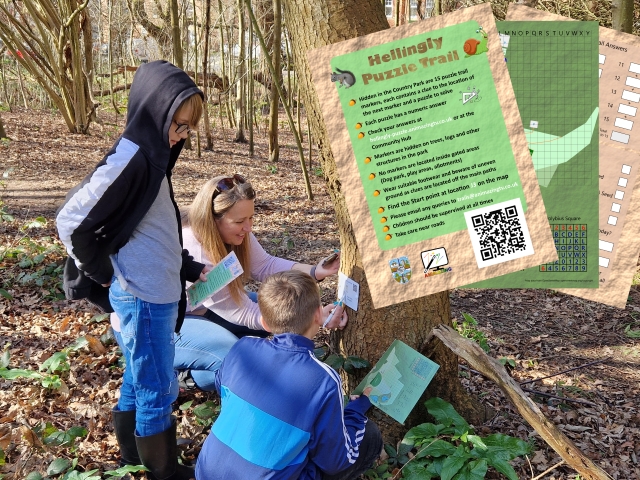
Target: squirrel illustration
346	78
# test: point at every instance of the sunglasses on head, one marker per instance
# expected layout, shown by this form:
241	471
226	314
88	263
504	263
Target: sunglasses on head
228	183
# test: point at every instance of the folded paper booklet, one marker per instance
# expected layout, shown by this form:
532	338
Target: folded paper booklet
220	276
554	73
432	156
618	67
398	380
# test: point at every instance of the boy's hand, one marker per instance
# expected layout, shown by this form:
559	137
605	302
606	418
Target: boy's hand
339	317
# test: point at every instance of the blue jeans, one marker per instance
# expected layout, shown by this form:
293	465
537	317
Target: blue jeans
201	346
149	385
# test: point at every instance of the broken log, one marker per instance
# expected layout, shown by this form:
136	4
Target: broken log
495	371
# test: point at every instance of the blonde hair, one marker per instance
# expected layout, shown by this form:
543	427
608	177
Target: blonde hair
209	204
288	301
195	103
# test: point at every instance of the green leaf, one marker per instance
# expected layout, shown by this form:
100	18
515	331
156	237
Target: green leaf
77	432
476	441
357	362
390	450
334	361
79	344
58	438
320	352
100	317
445	414
504	468
453	463
435	467
19	373
469	319
416	470
74	475
404	448
58	466
34	476
2	457
122	471
206	410
55	363
475	470
38	222
505	447
631	333
422	432
6	294
186	405
438	448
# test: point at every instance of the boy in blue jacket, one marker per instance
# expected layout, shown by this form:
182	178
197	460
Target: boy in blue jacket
282	411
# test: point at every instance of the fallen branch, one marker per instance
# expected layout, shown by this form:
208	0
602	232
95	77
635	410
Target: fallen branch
566	399
538	477
492	369
566	371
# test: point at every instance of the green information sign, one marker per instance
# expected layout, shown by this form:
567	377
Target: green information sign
554	72
427	131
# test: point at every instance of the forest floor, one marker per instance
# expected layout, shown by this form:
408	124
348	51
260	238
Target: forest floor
538	332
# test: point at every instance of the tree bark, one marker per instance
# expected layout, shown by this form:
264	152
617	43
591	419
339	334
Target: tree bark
313	24
241	109
176	35
274	100
3	134
622	15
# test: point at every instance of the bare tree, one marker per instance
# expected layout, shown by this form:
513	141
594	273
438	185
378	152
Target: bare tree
274	148
316	23
50	37
241	108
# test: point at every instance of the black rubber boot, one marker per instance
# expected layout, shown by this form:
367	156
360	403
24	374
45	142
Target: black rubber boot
159	453
124	424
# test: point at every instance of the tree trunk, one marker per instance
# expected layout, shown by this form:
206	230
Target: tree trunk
176	35
274	100
241	109
622	15
205	71
313	24
3	134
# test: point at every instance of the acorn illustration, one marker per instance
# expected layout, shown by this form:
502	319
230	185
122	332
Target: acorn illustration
372	176
352	102
383	220
367	160
387	236
376	193
361	135
381	210
385	228
358	126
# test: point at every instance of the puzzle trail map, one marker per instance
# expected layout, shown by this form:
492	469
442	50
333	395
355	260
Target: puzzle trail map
555	80
432	156
398	380
619	78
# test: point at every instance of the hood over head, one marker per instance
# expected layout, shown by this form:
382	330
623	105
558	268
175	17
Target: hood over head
158	89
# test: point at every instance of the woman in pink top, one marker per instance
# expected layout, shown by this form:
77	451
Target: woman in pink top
219	221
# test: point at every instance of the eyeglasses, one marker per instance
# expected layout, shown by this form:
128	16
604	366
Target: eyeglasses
228	183
182	127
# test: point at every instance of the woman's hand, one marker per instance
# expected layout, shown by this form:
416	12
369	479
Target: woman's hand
338	316
331	268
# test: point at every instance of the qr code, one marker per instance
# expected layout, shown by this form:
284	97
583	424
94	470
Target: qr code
499	233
